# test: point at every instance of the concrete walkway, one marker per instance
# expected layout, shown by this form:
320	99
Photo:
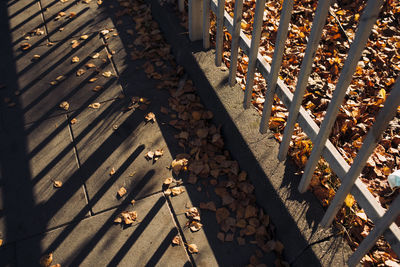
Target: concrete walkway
92	151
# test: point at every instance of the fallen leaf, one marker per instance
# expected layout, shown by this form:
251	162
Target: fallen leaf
75	44
64	105
133	202
121	192
107	74
168	181
208	206
97	88
90	65
84	37
57	184
72	15
75	59
177	240
349	201
112	171
46	260
80	72
195	226
95	56
149	155
193	248
73	121
159	153
104	32
177	190
1	242
36	57
94	105
178	165
92	80
221	214
193	214
128	217
56	265
150	117
25	46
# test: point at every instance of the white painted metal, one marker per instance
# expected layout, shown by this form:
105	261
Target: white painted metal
219	38
367	21
195	20
305	70
369	144
380	226
276	63
237	21
255	44
206	24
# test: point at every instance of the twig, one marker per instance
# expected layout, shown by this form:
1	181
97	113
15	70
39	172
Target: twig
340	24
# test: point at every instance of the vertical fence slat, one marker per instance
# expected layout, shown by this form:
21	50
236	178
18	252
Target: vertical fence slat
255	44
276	63
195	8
367	21
237	21
181	5
373	137
220	33
206	24
369	241
305	70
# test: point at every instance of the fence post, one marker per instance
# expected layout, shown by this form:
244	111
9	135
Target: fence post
195	20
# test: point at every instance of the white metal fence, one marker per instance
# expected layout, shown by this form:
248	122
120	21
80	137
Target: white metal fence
199	24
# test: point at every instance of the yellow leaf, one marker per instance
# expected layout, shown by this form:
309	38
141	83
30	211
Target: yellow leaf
349	201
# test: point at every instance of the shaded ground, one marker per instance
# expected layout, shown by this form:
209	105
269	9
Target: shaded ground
42	143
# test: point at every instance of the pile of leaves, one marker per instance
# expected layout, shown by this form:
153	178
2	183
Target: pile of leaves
371	84
206	161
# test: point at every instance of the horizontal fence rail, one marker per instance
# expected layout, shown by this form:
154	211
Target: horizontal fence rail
383	219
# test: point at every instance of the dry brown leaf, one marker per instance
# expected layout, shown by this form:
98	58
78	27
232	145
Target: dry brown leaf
1	242
133	202
149	155
90	65
96	55
97	88
159	152
25	46
46	260
112	171
177	240
193	214
36	57
178	165
75	59
64	105
177	190
221	214
73	121
59	78
127	217
150	117
122	191
94	105
168	192
57	184
56	265
72	15
75	44
164	110
92	80
195	226
193	248
168	181
221	236
107	74
84	37
80	72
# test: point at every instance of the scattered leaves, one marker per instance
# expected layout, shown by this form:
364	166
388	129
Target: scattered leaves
80	72
192	248
126	217
177	190
75	59
107	74
177	240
